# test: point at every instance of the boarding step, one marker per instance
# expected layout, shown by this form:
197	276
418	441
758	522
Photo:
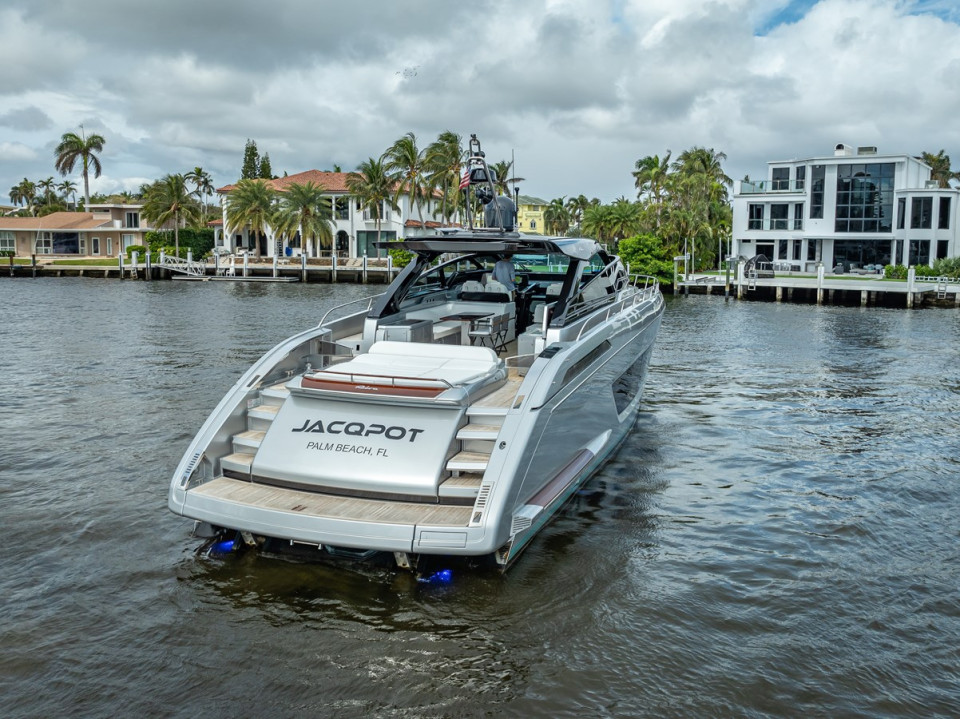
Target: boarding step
251	439
264	411
466	485
237	462
479	431
468	462
488	413
277	392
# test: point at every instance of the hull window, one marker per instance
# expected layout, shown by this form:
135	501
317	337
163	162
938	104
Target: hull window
628	385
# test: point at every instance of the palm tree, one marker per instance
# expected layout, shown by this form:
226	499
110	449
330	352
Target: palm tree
75	147
372	187
501	171
47	187
650	178
169	200
251	203
940	168
597	222
203	185
576	207
27	192
68	188
625	219
443	162
556	218
407	165
304	209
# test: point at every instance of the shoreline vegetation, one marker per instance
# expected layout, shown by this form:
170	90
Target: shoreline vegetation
682	207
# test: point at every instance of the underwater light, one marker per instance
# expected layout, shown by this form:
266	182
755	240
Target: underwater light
442	577
223	547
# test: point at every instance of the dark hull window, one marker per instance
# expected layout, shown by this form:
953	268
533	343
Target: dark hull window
628	385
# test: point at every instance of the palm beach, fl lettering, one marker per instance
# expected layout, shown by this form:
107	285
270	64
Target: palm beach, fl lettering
358	429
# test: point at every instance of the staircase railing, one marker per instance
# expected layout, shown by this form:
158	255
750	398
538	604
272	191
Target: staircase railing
187	267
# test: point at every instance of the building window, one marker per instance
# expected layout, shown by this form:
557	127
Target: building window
898	253
801	177
341	208
797	247
533	224
778	217
8	242
921	212
109	246
816	194
756	218
919	252
901	212
865	197
126	241
133	220
95	245
943	221
781	249
44	243
798	216
781	178
811	250
942	248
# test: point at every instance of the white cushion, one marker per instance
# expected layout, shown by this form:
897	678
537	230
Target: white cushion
472	286
494	286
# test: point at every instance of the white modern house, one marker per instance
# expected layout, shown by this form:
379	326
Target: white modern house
853	208
354	231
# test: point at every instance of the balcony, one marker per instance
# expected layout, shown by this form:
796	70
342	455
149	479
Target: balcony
766	187
775	224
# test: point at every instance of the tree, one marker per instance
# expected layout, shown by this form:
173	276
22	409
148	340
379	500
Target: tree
371	185
576	207
406	165
940	168
597	223
443	162
251	203
47	186
501	171
168	200
647	255
68	189
304	209
556	218
74	147
26	193
265	170
203	186
251	162
650	177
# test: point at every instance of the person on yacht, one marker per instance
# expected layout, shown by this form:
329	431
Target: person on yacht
505	274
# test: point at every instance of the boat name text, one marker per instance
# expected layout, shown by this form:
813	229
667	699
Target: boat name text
359	429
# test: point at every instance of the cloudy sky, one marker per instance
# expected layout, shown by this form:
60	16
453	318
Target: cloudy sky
577	90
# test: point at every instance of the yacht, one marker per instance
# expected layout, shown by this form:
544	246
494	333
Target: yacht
452	415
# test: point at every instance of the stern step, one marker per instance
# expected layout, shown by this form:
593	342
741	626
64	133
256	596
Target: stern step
251	439
479	431
466	485
468	462
264	411
237	462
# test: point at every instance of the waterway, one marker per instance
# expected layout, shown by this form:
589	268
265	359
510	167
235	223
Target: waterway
778	536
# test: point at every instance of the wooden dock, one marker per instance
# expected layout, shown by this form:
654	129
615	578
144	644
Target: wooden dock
868	290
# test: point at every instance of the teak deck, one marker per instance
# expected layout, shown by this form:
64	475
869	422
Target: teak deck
325	505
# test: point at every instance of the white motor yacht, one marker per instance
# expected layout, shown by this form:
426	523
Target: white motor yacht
448	416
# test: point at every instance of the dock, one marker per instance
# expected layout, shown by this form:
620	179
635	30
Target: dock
863	290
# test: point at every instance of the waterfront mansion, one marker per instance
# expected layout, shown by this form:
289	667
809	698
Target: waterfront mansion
354	228
853	208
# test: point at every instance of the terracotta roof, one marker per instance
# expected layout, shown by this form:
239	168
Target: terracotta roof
331	181
430	224
56	221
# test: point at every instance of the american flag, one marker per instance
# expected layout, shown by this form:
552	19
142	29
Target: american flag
465	180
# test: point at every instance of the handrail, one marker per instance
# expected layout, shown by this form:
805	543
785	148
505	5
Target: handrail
392	381
369	300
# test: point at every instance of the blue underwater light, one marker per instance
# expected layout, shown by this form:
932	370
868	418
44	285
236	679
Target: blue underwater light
442	577
224	547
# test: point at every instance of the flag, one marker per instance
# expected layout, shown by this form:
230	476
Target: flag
465	180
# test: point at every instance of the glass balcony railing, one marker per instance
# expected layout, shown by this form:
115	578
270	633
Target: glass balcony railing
762	187
775	224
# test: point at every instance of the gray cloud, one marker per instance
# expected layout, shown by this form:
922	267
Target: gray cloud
577	89
30	119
